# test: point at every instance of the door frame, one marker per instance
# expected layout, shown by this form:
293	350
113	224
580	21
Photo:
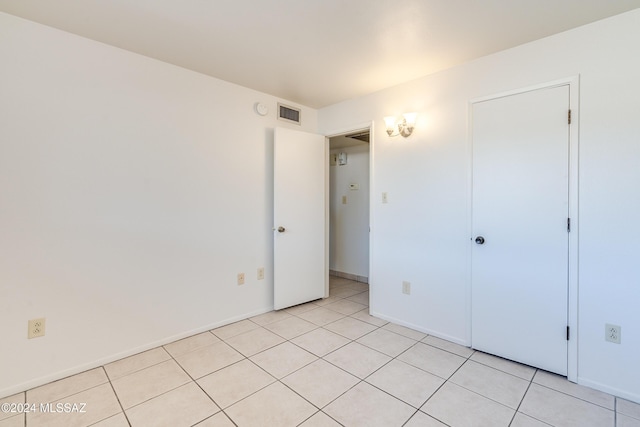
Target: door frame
343	131
572	296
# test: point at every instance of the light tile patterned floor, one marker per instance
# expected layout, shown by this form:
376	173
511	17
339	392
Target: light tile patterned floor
325	363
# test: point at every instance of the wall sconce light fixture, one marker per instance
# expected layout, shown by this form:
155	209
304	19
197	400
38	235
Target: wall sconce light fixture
401	126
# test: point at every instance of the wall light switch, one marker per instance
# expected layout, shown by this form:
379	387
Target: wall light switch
344	200
385	199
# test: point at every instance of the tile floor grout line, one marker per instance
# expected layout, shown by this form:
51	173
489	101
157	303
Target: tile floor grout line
192	380
276	380
360	380
502	370
475	392
339	367
62	379
451	352
363	380
391	395
244	398
577	397
137	370
308	418
226	415
447	380
533	418
633	417
337	422
320	357
409	419
302	397
524	395
334	365
158	395
207	394
430	416
118	399
342	394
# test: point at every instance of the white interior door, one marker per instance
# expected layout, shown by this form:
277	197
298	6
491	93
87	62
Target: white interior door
301	176
520	210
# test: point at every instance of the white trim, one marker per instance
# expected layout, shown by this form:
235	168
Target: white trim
45	379
574	164
371	200
554	83
351	129
327	214
573	280
633	397
419	328
468	306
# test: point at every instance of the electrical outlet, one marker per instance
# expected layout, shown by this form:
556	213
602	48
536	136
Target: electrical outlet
406	288
612	333
240	278
36	328
261	273
385	199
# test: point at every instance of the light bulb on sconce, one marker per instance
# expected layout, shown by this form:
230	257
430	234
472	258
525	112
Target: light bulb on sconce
400	126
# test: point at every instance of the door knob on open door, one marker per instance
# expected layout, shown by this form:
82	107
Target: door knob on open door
480	240
281	229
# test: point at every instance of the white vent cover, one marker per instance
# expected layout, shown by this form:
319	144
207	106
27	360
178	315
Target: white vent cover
289	114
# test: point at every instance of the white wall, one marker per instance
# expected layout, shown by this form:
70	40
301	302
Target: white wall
131	194
423	234
349	224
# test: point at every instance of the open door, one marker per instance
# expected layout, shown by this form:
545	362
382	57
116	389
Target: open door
300	182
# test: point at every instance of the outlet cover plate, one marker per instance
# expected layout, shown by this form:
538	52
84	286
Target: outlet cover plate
612	333
36	328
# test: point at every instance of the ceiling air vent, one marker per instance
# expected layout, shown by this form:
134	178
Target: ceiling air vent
289	114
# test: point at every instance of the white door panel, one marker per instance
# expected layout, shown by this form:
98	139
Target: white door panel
520	208
301	213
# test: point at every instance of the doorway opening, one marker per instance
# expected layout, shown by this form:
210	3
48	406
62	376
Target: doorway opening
349	197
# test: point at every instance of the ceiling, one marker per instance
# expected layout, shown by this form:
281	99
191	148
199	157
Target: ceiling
315	52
